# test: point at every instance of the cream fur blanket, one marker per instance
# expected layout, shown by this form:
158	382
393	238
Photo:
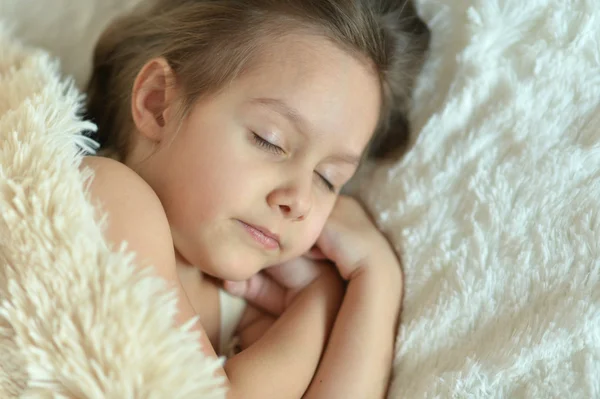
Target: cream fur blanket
495	211
75	320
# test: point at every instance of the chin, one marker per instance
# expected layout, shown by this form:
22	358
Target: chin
234	265
232	273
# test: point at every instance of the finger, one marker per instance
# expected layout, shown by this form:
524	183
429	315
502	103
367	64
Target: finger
315	253
345	257
295	274
260	291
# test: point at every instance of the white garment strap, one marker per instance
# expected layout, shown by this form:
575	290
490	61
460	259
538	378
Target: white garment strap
232	308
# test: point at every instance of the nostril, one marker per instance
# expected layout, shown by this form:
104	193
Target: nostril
285	209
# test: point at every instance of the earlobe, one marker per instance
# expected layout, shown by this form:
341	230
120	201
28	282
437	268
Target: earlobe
152	96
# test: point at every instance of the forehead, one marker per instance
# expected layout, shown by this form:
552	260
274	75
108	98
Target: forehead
337	95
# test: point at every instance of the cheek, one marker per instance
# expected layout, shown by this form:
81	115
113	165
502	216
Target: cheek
310	233
208	176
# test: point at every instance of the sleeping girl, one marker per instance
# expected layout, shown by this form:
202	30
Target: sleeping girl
228	129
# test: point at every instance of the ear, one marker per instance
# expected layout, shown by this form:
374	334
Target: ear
153	99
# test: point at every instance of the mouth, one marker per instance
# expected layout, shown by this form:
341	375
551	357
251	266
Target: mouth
262	236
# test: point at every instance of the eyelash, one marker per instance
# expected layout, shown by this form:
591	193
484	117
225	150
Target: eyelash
268	146
327	183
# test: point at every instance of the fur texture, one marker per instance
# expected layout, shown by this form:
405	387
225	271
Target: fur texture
76	320
495	209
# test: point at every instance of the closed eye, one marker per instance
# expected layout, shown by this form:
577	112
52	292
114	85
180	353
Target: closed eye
266	145
326	182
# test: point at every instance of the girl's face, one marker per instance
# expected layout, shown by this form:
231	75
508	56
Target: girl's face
251	176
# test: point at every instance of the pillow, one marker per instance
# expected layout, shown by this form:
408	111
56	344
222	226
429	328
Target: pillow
67	29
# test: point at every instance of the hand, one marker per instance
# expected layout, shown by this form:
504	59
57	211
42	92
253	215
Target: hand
273	289
352	241
349	239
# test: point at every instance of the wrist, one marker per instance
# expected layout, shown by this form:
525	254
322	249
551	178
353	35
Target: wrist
381	273
325	279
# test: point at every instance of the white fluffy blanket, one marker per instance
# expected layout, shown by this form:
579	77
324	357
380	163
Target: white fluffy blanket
495	211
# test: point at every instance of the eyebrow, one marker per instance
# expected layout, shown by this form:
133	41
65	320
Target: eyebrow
290	113
301	124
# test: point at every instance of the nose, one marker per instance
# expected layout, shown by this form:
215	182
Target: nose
294	201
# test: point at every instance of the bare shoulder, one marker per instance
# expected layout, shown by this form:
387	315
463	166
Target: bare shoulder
112	178
135	215
133	211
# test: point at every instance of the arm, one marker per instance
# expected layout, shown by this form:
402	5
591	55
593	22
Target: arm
271	291
282	362
254	324
360	348
358	358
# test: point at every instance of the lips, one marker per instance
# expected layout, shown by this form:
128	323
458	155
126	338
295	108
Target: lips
262	235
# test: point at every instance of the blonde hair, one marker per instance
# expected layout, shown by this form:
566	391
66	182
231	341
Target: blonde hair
208	43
